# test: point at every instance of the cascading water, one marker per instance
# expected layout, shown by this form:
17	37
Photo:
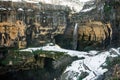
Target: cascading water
75	35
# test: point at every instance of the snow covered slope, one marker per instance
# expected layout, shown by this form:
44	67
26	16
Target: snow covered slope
75	5
92	64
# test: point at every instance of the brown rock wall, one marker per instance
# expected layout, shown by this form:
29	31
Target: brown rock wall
94	33
11	34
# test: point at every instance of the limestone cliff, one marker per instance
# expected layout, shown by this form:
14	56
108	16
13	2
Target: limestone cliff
91	35
37	21
98	23
12	34
94	34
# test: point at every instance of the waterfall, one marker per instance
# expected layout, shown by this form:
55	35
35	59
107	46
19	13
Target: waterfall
75	35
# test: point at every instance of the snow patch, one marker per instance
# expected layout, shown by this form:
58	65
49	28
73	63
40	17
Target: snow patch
20	9
3	9
88	9
74	5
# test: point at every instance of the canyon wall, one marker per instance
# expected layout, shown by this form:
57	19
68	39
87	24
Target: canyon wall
41	23
44	23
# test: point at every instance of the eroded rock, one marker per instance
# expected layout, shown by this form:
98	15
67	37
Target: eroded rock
94	33
12	34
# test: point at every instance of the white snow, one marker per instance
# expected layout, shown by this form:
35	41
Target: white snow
29	10
85	0
12	0
3	9
88	9
74	5
20	9
76	66
92	63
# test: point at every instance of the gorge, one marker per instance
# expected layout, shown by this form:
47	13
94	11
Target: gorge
31	30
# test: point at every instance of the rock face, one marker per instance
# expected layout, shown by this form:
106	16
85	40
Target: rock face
37	34
97	27
111	13
38	23
93	34
12	34
48	23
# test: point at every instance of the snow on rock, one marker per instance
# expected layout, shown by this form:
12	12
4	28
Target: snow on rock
93	52
91	76
88	9
96	61
12	0
3	9
118	50
74	5
76	67
20	9
115	51
57	48
92	64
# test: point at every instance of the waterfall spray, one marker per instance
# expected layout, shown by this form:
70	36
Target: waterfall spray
75	35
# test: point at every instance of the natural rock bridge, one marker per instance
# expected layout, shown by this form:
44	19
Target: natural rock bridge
15	61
